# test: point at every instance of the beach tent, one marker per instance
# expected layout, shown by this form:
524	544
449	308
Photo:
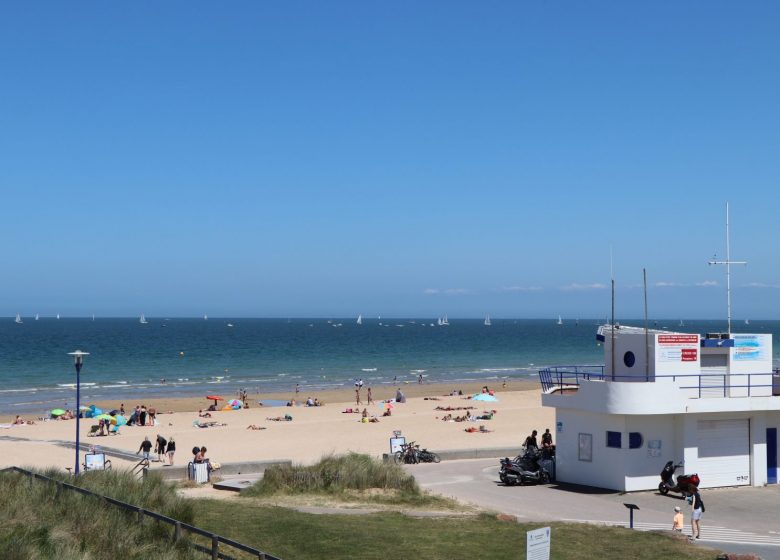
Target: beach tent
119	420
57	412
484	397
235	404
102	417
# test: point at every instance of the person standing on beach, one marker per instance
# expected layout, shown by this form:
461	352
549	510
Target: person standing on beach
171	449
368	396
420	379
142	416
160	448
357	396
297	388
152	415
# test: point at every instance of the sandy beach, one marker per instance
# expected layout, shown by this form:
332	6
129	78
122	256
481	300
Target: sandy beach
313	432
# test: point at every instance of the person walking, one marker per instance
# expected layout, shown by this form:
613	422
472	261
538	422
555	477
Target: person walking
697	508
357	396
368	395
146	447
160	448
142	416
171	450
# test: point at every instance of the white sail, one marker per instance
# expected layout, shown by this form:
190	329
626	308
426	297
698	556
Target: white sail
205	317
58	316
445	321
143	320
487	320
36	316
360	320
560	321
18	319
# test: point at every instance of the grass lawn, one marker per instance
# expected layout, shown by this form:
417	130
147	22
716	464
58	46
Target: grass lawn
298	536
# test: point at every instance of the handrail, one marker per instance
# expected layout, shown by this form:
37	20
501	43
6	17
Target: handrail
216	539
569	377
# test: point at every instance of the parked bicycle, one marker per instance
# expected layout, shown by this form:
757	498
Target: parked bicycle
411	453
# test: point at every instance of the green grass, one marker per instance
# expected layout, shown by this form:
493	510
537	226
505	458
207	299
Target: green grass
352	477
300	536
39	524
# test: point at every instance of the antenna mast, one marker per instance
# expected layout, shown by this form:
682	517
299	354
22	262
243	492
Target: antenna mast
728	262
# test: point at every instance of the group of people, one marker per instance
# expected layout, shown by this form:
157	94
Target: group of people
358	388
469	417
697	508
162	447
141	416
547	441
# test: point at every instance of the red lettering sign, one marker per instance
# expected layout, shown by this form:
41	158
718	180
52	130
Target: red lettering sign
689	354
678	339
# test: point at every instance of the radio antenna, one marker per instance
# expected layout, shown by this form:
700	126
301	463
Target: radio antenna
728	262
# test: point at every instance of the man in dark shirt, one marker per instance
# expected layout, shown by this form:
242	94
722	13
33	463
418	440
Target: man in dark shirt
146	447
530	441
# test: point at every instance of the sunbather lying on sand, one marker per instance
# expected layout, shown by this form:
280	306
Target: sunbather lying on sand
199	424
451	408
285	418
253	427
481	429
351	411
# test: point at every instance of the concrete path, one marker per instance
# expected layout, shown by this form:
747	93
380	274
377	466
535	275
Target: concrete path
743	517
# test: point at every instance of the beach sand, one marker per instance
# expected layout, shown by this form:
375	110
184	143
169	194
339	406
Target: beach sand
314	431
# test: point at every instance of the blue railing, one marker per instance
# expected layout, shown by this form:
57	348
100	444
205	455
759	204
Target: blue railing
563	378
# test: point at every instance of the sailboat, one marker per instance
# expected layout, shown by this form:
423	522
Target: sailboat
205	317
747	321
560	321
36	316
93	316
445	321
58	316
360	320
18	319
487	320
681	323
143	320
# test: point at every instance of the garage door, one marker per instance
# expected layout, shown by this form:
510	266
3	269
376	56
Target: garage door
724	452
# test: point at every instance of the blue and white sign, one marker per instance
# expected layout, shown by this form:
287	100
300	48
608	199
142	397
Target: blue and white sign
538	544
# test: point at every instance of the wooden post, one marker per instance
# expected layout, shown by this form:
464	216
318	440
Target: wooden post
177	531
140	515
214	547
261	556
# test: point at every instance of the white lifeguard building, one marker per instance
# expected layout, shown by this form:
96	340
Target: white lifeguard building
711	401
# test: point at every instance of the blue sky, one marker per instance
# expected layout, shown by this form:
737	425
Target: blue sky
394	158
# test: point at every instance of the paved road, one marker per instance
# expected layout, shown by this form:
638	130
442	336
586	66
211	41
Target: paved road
736	520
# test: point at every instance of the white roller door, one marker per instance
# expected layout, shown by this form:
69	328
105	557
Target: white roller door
724	452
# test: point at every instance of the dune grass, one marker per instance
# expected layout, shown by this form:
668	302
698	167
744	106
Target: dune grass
295	535
41	523
352	477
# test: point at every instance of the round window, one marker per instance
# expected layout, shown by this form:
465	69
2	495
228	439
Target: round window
629	359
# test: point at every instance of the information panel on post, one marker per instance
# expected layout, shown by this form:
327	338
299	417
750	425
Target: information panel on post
538	544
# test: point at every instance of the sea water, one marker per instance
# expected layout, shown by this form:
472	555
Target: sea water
195	357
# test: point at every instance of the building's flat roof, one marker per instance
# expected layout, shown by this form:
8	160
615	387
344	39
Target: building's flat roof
605	330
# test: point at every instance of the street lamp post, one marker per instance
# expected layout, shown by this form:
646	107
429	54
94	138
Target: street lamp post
78	361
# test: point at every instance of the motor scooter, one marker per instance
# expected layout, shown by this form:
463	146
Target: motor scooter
681	485
522	470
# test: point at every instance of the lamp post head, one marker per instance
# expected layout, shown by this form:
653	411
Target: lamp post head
78	356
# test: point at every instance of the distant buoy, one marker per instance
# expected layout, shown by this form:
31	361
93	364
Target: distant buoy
181	353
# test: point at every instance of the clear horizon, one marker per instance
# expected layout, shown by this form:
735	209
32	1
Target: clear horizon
330	159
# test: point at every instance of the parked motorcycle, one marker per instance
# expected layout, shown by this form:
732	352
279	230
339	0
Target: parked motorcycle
680	485
523	469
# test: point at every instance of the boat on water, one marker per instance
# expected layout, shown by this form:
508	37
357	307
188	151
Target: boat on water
230	324
36	316
445	321
143	320
747	321
487	321
682	324
360	320
18	319
58	316
205	317
560	320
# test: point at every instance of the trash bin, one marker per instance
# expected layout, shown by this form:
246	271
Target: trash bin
199	472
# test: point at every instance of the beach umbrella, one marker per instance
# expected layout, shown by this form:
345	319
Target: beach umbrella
102	417
215	398
484	397
235	403
57	412
119	420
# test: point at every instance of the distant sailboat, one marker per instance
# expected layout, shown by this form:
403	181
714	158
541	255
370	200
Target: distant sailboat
143	320
445	321
747	321
487	320
560	321
58	316
93	316
230	324
18	319
36	316
205	317
681	323
360	320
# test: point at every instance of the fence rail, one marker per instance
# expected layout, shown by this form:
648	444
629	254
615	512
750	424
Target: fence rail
562	378
178	526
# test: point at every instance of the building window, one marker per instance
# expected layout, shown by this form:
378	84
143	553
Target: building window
585	447
635	440
629	359
615	439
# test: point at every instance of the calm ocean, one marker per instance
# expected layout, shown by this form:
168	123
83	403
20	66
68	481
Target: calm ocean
198	357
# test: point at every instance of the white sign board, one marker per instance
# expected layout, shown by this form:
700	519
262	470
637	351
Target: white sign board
396	443
677	353
538	544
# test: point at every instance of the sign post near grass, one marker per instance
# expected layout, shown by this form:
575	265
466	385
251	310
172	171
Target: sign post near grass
538	544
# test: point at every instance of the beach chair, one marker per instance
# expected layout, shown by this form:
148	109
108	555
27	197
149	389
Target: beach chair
93	430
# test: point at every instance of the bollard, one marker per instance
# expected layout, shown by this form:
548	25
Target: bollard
214	547
177	531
